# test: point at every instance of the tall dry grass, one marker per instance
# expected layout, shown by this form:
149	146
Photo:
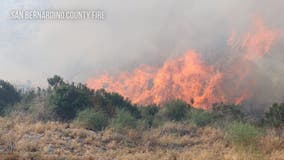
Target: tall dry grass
22	138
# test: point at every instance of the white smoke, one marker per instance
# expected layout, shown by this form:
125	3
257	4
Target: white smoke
133	33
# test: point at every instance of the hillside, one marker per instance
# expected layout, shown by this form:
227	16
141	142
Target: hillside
69	121
23	139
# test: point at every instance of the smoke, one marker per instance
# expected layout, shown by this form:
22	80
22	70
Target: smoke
134	33
234	79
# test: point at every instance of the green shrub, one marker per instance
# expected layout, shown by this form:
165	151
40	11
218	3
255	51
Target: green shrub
123	119
176	110
243	135
110	102
227	113
148	115
8	96
275	115
91	119
67	99
200	117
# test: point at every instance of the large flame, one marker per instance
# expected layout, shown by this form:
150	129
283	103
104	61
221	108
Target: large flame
189	78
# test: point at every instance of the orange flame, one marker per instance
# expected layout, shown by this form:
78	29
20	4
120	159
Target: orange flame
188	76
256	43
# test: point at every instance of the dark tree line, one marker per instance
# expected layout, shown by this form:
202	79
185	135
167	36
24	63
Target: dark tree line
66	102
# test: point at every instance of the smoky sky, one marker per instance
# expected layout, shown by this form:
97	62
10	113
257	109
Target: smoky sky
133	33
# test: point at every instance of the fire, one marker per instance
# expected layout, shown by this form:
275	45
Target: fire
189	77
256	43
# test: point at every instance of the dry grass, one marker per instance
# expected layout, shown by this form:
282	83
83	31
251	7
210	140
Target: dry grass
23	139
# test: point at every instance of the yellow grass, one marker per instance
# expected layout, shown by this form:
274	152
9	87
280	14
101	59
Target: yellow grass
21	138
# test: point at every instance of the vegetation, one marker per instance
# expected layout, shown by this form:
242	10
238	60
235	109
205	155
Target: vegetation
68	99
175	110
275	115
200	117
227	113
243	135
91	119
109	102
148	114
123	119
8	95
77	116
22	139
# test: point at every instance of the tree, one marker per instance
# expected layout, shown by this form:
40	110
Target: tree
8	95
67	99
275	115
55	81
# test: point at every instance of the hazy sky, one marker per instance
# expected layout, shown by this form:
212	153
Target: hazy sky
133	33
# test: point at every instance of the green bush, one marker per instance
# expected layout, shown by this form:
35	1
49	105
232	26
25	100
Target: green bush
200	117
8	96
243	135
67	99
148	115
123	119
227	112
176	110
91	119
110	102
275	115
